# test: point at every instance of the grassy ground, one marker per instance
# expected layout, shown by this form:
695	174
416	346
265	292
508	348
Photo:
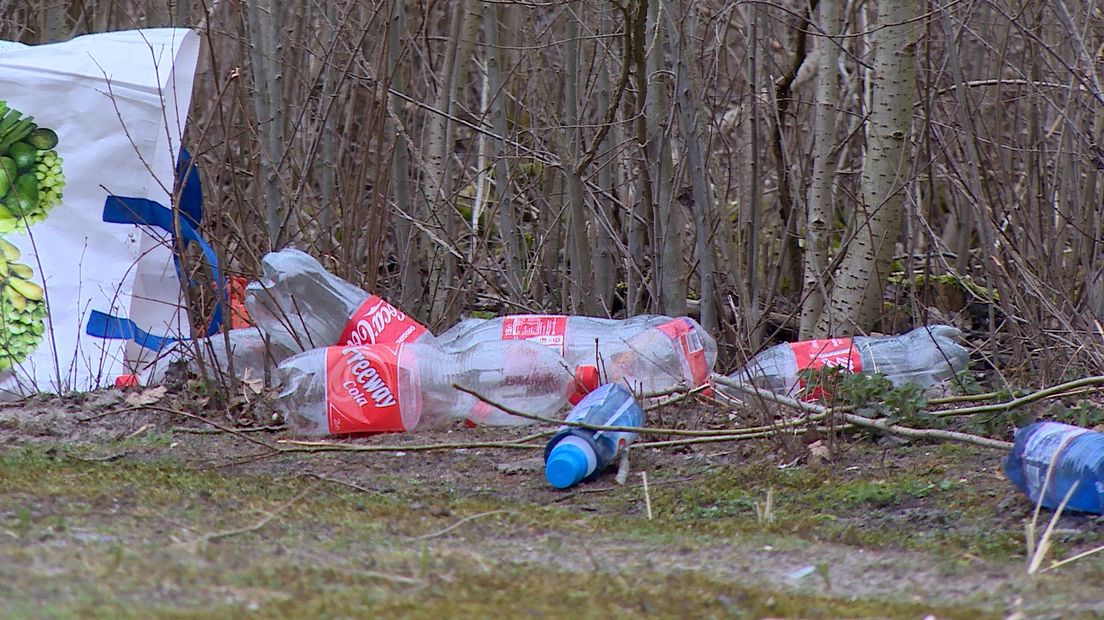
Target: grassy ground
168	523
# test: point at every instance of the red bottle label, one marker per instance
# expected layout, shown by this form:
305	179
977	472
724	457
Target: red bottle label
689	340
362	389
826	353
549	330
830	353
378	322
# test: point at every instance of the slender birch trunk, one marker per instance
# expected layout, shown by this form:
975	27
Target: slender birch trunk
856	300
820	201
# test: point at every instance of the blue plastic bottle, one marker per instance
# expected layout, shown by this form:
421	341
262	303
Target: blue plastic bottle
575	454
1077	454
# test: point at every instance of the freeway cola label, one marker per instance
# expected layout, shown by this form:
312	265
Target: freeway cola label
378	322
362	389
549	330
825	353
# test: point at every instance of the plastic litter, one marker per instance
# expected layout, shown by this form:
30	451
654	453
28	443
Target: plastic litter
649	353
924	356
1069	455
577	454
301	306
399	387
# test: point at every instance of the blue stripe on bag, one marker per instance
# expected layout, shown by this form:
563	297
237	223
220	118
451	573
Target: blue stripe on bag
142	211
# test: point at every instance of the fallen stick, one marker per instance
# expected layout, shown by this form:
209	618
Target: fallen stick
206	538
858	420
456	525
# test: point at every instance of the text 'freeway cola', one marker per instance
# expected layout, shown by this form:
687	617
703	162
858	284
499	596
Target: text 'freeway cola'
399	387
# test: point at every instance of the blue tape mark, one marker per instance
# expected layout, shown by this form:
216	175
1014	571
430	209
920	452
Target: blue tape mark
142	211
189	189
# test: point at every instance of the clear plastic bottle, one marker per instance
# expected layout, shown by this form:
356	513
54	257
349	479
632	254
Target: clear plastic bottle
924	356
650	353
302	306
251	354
576	454
400	387
253	357
1076	455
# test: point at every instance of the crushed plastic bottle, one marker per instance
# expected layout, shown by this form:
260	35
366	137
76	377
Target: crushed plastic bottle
400	387
1076	455
650	353
302	306
252	356
576	454
924	356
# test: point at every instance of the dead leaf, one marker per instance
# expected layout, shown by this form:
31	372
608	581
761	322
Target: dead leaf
252	383
148	396
818	454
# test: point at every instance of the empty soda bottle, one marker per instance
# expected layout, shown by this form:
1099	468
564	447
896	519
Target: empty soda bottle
301	306
576	454
650	353
252	355
399	387
1049	458
924	356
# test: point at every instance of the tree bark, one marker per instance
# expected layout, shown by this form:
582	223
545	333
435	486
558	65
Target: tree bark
820	200
856	300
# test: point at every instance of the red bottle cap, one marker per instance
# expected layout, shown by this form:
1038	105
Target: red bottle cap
586	381
125	381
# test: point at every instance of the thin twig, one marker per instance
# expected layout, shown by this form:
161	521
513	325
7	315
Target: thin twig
456	525
333	446
215	431
647	494
641	430
206	538
218	425
98	459
858	420
1056	391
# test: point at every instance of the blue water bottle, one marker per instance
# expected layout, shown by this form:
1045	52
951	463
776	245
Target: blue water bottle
575	454
1075	453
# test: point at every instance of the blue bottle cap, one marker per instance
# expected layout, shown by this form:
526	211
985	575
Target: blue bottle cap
566	466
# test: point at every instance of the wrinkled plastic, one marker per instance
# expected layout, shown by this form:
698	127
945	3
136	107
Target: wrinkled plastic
253	358
340	390
576	454
301	306
924	356
649	353
1076	455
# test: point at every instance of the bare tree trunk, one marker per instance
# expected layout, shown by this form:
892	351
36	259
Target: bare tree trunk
581	274
821	197
687	87
605	272
856	300
437	149
508	230
642	210
406	242
266	48
750	216
670	267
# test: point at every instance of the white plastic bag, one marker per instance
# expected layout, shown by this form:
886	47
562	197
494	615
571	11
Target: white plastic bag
117	103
